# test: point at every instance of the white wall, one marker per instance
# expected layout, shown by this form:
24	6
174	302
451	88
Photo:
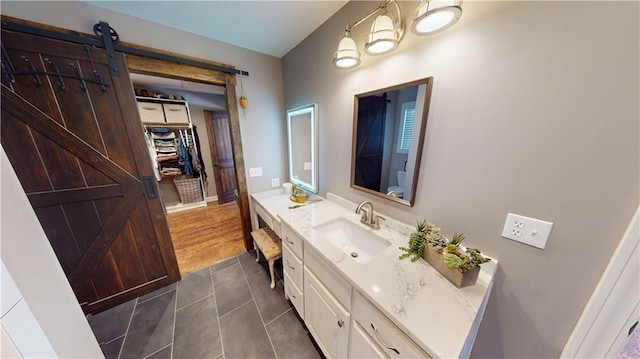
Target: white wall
535	111
262	125
46	320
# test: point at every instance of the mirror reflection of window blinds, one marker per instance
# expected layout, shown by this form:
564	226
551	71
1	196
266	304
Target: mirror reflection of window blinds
408	111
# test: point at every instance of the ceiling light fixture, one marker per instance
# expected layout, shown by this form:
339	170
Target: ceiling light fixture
385	34
431	16
347	55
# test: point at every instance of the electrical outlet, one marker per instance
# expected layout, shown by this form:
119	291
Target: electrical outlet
531	231
275	182
255	172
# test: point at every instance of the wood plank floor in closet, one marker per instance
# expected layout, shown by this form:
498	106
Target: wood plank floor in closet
203	236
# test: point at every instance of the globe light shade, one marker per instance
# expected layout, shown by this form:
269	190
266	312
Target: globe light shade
434	16
347	55
383	36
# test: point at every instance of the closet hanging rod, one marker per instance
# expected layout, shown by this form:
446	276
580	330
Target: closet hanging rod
168	125
108	41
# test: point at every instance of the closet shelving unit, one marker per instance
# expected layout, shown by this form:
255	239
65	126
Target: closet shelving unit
173	115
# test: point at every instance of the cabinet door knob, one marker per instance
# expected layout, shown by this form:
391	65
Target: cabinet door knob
340	323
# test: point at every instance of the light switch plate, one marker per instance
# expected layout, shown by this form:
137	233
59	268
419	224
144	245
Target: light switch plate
531	231
275	182
255	172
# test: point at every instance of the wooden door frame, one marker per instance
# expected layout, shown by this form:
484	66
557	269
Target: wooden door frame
147	65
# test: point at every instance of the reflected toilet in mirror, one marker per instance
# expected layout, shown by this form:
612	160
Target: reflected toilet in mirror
398	190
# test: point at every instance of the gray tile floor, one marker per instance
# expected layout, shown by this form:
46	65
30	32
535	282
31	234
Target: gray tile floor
226	310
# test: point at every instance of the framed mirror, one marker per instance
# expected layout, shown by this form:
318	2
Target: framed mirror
302	135
388	137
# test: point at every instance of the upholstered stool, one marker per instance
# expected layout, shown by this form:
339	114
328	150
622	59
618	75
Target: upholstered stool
271	247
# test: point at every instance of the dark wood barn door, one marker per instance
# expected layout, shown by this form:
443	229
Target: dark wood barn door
370	141
224	172
72	133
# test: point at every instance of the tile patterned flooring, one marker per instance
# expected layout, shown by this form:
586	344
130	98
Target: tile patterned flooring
226	310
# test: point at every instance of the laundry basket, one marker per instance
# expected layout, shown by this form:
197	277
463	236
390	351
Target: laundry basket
188	189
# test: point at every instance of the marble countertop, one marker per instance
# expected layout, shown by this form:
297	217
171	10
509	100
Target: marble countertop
439	317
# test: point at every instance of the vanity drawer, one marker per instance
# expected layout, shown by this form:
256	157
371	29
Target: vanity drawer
361	345
389	338
294	294
340	288
290	239
176	113
151	112
264	215
292	266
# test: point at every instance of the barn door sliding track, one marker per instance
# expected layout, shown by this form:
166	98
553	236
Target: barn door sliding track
108	40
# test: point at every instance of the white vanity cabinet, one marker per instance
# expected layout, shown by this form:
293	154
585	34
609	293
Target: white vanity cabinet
381	335
327	320
327	304
382	308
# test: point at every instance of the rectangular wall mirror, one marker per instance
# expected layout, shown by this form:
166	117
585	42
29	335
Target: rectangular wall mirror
302	134
388	137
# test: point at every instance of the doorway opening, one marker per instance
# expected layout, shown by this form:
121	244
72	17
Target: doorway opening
207	231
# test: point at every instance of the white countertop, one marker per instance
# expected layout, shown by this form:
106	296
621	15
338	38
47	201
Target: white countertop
439	317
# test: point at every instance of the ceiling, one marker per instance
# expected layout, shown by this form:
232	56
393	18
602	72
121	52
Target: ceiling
269	27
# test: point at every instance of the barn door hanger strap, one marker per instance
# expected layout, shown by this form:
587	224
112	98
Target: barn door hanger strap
109	37
9	72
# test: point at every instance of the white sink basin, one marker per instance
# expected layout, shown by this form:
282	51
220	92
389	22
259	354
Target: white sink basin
357	242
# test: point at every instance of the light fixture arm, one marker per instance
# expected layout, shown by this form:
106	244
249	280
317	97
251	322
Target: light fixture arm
398	20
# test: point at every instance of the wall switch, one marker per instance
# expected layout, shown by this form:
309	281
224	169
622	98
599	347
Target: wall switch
255	172
531	231
275	182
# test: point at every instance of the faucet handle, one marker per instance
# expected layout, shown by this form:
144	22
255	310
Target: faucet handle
376	221
365	215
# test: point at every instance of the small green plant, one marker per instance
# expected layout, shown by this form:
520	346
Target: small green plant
427	234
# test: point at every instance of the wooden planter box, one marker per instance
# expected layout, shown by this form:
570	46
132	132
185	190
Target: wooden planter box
458	279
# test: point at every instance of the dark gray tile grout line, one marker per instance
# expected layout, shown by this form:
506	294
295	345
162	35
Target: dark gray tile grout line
234	309
215	307
196	301
278	317
159	350
128	326
220	261
258	310
159	294
175	313
113	340
199	300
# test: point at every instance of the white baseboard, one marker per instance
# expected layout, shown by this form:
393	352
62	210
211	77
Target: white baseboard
212	199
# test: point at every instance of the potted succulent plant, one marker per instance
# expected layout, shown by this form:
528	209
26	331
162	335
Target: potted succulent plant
458	264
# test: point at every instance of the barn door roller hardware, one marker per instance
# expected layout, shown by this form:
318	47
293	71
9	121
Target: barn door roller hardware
107	39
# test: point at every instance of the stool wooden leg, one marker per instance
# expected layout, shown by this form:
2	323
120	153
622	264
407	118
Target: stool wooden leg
257	255
273	282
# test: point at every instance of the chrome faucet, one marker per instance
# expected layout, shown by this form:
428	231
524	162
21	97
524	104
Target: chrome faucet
368	217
